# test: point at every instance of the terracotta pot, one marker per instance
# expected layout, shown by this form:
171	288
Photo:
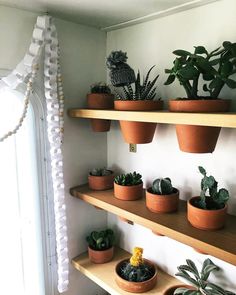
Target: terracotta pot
138	132
171	290
128	192
198	139
162	203
136	287
101	183
100	256
102	101
205	219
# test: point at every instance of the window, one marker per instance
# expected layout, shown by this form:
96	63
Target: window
26	252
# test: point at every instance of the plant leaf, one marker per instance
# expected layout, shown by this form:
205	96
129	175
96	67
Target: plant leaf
170	80
231	83
200	50
181	52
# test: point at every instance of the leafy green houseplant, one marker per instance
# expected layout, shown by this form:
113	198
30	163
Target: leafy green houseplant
100	179
133	95
208	211
199	280
100	97
214	70
128	187
131	273
162	197
100	245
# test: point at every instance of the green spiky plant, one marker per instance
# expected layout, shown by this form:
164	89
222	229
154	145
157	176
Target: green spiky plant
100	172
216	68
101	240
216	199
199	279
162	186
128	179
100	88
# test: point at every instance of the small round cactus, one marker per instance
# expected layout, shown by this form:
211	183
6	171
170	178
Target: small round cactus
100	172
162	186
100	88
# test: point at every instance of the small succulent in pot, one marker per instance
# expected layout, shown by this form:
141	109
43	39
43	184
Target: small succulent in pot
101	179
128	179
162	197
131	273
199	279
100	87
208	211
100	245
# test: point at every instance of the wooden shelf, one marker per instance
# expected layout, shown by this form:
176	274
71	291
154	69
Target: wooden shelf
201	119
221	243
104	274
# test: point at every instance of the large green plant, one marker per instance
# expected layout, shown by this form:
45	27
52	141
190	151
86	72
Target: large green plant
199	279
216	68
101	240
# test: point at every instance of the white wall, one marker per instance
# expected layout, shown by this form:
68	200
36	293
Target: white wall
82	59
152	43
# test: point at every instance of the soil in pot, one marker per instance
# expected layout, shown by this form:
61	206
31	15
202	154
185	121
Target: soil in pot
99	257
205	219
171	290
138	132
101	183
128	192
136	287
198	139
162	203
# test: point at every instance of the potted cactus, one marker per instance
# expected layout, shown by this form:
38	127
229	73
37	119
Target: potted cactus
198	280
136	275
215	68
100	246
162	197
128	187
139	97
208	212
100	97
100	179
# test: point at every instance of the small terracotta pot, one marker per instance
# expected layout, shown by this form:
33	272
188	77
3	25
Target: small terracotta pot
198	139
101	183
171	290
138	132
136	287
162	203
100	256
102	101
205	219
128	192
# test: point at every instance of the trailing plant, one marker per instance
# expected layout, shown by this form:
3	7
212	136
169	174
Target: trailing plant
128	179
136	270
216	198
199	279
100	88
162	186
215	68
101	240
100	172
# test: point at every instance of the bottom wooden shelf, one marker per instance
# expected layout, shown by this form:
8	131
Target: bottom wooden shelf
104	274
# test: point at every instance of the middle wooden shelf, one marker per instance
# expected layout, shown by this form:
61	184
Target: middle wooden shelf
220	243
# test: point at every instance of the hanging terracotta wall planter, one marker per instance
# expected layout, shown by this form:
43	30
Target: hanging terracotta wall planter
198	139
128	192
138	132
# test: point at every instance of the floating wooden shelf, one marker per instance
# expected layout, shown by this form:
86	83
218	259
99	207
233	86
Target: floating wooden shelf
201	119
221	243
104	274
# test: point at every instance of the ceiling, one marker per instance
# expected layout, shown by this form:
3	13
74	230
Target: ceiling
106	14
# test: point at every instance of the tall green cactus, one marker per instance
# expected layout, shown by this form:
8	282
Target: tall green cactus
162	186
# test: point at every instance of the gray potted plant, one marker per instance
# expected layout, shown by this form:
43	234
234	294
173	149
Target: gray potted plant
100	179
216	69
133	95
198	280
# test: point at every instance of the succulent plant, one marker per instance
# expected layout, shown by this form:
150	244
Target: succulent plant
162	186
100	172
199	279
100	88
101	240
128	179
141	91
215	67
136	270
216	199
